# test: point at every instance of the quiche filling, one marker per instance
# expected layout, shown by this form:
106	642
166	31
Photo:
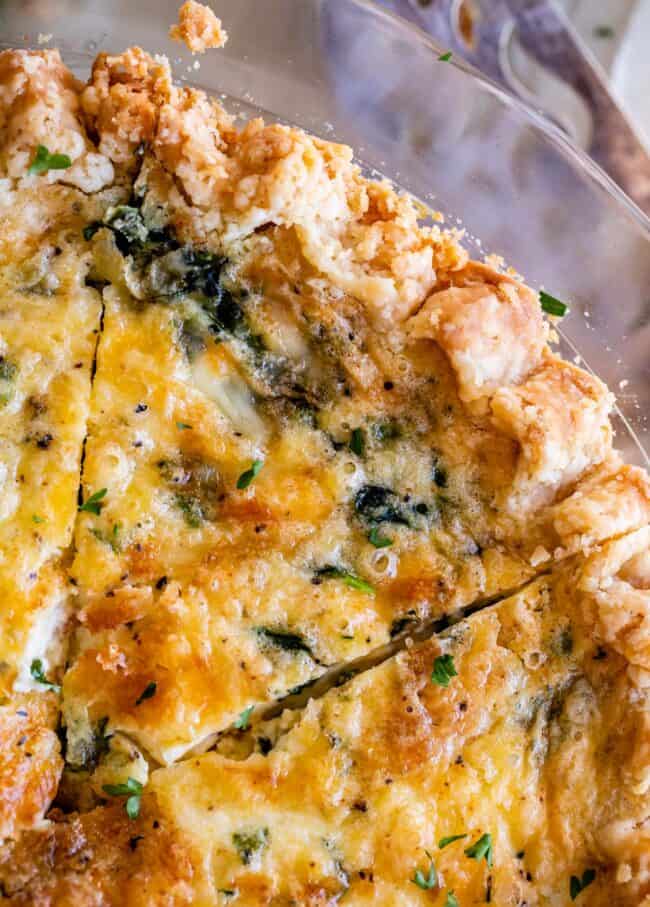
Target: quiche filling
264	426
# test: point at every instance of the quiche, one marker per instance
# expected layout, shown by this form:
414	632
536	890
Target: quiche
265	424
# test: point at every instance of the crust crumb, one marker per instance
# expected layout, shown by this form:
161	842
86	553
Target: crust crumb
198	28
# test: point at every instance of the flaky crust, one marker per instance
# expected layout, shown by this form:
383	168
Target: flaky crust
198	28
39	105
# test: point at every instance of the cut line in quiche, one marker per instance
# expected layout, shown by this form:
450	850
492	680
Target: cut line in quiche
504	761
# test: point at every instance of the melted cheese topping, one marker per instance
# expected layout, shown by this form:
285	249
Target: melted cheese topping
48	332
30	761
539	740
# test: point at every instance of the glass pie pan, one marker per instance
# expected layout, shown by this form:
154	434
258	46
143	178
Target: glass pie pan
349	72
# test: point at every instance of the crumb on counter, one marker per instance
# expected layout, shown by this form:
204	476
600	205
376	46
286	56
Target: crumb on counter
198	28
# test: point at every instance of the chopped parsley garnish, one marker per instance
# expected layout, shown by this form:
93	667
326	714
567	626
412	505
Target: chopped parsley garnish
379	541
37	519
243	720
576	885
94	504
357	442
148	692
250	843
426	882
481	849
551	305
183	426
132	790
354	582
247	477
444	842
36	670
446	57
443	670
451	900
44	161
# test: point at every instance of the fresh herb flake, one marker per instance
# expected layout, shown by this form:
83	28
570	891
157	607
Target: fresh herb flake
379	541
132	790
426	882
443	670
551	305
451	900
132	806
131	786
36	670
94	504
446	57
445	842
576	885
354	582
247	477
481	849
183	426
37	519
44	161
242	721
357	442
148	692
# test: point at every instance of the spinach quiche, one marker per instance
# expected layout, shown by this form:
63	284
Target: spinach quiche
271	438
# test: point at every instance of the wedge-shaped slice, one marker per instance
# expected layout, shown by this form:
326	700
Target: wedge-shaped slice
48	331
506	761
49	320
275	485
223	585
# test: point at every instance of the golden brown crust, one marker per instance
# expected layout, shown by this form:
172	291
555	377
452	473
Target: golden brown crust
121	102
560	418
101	858
490	327
198	27
30	760
39	105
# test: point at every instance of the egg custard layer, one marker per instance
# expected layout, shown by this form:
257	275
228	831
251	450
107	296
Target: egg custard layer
504	761
262	417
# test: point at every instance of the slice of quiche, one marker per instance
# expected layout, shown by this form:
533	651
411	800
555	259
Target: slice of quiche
49	323
315	423
505	761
